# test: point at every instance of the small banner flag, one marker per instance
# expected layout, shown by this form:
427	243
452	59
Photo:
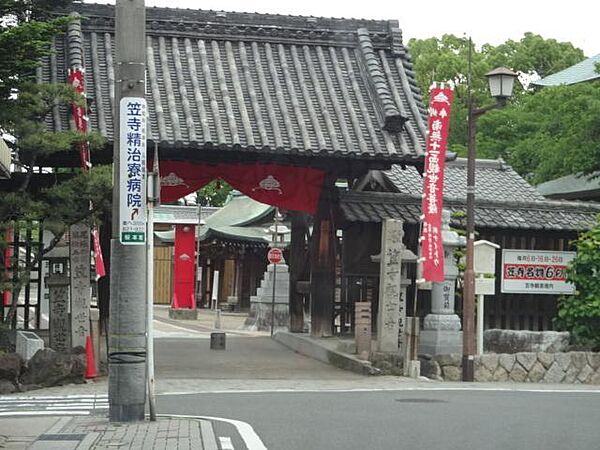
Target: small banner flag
432	250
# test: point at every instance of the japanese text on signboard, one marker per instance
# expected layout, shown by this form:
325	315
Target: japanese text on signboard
432	252
133	171
536	272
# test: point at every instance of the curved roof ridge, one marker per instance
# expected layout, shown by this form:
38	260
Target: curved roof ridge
167	14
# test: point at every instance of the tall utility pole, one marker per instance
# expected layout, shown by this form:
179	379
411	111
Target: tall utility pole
128	309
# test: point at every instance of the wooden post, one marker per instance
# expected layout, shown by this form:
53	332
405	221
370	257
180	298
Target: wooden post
323	251
296	267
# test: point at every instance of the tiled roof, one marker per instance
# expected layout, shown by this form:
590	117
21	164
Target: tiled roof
569	187
494	180
538	215
258	83
578	73
180	214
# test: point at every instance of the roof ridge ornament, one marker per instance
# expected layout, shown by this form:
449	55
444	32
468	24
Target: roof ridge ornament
389	115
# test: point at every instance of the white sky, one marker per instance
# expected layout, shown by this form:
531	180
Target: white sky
575	21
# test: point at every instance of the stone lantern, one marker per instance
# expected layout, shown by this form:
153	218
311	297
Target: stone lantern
441	328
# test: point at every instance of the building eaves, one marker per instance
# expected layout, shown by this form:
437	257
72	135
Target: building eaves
525	215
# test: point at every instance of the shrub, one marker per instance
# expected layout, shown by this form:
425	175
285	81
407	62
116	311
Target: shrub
580	313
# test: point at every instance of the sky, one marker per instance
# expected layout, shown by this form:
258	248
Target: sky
575	21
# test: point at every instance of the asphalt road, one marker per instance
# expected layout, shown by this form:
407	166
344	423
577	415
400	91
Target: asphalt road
405	419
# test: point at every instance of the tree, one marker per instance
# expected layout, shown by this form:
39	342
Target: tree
24	105
547	134
580	313
446	59
214	193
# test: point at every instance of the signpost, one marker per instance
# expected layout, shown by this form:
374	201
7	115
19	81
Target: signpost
536	272
275	256
484	265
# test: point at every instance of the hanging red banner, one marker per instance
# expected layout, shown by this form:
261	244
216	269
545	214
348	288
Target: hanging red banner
288	187
98	258
76	79
432	250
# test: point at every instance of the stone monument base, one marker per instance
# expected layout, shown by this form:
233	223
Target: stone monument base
259	318
183	314
261	304
440	342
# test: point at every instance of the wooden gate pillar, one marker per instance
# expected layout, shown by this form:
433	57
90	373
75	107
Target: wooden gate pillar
297	266
323	253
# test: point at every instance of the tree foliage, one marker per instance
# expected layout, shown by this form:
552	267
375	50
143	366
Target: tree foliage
447	59
25	37
214	193
580	314
546	134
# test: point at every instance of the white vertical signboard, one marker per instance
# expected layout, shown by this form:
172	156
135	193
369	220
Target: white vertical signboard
132	159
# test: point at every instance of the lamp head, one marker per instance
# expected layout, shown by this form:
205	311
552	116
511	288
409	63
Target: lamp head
501	82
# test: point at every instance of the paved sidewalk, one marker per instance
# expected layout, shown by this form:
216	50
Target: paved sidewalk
97	433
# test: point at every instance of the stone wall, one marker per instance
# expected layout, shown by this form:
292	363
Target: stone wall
524	367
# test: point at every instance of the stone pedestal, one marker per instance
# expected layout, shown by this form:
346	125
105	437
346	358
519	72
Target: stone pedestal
27	344
362	329
183	313
261	304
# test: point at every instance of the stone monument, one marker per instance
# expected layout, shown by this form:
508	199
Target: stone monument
271	302
391	314
79	244
261	304
441	332
58	298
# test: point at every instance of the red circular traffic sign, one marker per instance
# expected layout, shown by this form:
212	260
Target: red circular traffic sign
275	255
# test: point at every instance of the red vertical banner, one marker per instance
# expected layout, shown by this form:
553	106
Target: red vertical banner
432	250
98	258
8	254
76	79
184	271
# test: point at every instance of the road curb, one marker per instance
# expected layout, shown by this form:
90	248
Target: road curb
307	346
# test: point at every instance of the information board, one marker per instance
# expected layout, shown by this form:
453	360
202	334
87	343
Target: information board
536	272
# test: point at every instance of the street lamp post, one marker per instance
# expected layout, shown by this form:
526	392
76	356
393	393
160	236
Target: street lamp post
501	82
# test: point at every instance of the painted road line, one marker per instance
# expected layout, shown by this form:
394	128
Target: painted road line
55	397
44	413
226	443
384	389
52	405
245	430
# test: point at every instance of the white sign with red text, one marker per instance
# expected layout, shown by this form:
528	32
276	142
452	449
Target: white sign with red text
536	272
